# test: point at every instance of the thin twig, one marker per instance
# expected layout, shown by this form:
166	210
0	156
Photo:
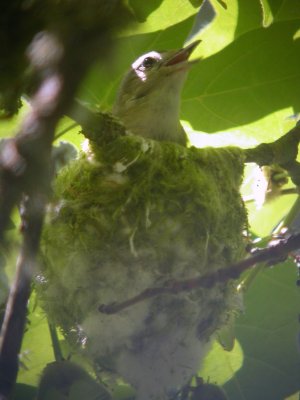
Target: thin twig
60	59
272	255
66	130
25	169
100	127
15	316
281	192
282	152
55	342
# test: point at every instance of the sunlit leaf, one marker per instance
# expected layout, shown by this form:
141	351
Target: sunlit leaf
267	333
279	10
264	364
267	13
249	79
169	12
221	365
204	17
36	349
142	10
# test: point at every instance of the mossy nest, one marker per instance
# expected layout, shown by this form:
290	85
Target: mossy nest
131	215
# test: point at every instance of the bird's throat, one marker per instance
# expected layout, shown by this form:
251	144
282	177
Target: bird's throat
154	117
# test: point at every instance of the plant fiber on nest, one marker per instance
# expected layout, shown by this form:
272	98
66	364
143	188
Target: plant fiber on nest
134	214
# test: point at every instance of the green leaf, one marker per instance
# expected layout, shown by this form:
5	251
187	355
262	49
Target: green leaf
142	10
203	19
268	333
249	16
24	392
169	12
10	126
265	363
196	3
101	85
279	10
36	349
248	80
220	365
268	16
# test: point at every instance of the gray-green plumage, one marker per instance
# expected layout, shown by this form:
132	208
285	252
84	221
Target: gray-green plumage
148	101
134	214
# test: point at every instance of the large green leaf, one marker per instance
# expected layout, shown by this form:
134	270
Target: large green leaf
101	85
268	334
246	75
160	14
36	348
249	79
265	362
275	10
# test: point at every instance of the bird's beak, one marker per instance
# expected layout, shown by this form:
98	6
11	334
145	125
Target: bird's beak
182	54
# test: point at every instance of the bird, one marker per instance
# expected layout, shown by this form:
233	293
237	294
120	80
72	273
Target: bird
148	100
144	211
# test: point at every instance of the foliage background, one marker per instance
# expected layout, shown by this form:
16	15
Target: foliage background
244	91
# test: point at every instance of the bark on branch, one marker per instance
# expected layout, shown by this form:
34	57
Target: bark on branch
25	171
283	152
272	255
99	126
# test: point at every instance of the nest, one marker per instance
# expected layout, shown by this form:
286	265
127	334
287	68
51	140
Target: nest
134	214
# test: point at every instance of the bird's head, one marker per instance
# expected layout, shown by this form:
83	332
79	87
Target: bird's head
156	72
148	101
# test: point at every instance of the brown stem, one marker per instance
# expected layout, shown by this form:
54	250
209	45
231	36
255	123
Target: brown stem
15	316
282	152
97	126
60	53
100	127
25	169
272	255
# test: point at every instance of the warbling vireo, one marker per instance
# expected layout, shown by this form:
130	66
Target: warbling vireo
132	219
148	101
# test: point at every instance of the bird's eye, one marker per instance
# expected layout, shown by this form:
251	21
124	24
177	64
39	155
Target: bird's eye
147	63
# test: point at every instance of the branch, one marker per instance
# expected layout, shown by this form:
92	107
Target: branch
58	356
25	169
102	127
15	317
97	126
282	152
272	255
60	54
25	172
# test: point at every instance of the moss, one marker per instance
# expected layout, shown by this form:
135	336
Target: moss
135	215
